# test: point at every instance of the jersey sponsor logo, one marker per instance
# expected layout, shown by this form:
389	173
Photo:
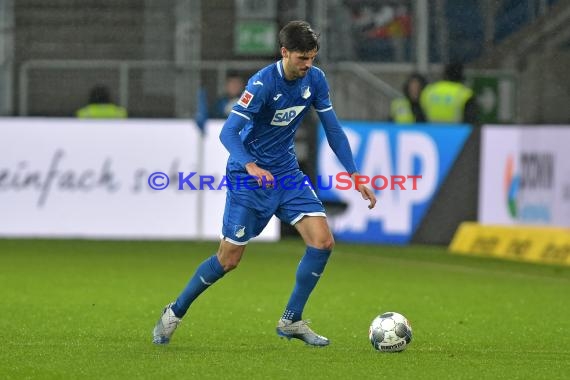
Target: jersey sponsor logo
285	116
258	83
276	97
245	99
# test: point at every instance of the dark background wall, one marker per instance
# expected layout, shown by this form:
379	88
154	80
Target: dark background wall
456	200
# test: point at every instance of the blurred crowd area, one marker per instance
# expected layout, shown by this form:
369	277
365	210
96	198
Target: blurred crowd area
382	30
379	30
158	58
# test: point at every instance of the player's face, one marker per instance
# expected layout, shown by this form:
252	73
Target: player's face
296	64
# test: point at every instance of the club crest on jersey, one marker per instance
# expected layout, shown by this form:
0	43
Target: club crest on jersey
305	92
239	231
245	99
285	116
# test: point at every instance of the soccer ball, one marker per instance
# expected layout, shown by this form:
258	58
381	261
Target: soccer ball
390	332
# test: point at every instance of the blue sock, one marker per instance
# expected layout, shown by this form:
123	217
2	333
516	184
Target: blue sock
309	271
206	274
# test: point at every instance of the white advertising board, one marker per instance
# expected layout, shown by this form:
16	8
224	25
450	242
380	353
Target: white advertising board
90	179
525	175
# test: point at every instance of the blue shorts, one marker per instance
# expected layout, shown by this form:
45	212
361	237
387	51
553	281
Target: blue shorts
249	207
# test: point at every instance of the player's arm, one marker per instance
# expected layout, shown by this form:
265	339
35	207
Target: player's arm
339	144
250	103
230	138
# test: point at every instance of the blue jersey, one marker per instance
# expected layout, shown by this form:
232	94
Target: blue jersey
274	108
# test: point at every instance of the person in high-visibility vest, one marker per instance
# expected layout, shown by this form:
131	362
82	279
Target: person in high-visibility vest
407	109
100	106
449	100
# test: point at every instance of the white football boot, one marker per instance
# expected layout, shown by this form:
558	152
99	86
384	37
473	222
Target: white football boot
165	326
300	330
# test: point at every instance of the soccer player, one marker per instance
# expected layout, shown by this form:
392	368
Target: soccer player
259	134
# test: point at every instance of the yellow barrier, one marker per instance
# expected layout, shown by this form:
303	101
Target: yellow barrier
522	243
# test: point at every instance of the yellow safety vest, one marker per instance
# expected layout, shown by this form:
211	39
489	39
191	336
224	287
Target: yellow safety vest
444	101
401	111
102	111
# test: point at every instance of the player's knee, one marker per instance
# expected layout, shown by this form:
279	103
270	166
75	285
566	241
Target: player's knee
326	243
229	263
329	244
229	260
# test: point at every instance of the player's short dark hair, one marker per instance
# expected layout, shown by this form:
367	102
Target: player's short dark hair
298	36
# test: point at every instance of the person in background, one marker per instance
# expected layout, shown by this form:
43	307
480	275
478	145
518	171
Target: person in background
407	109
235	85
100	106
449	100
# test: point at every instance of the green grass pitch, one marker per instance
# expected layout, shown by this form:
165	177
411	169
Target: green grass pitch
85	309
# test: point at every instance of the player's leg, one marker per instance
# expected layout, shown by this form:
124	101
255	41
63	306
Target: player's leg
319	240
317	236
240	224
207	273
304	210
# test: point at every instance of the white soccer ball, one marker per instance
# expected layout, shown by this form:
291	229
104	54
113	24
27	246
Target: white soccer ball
390	332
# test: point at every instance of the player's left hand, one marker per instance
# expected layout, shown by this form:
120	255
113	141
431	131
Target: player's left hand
367	194
364	190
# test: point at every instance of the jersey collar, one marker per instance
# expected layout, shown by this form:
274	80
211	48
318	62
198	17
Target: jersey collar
280	69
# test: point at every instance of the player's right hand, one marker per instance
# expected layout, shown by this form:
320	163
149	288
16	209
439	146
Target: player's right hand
263	176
